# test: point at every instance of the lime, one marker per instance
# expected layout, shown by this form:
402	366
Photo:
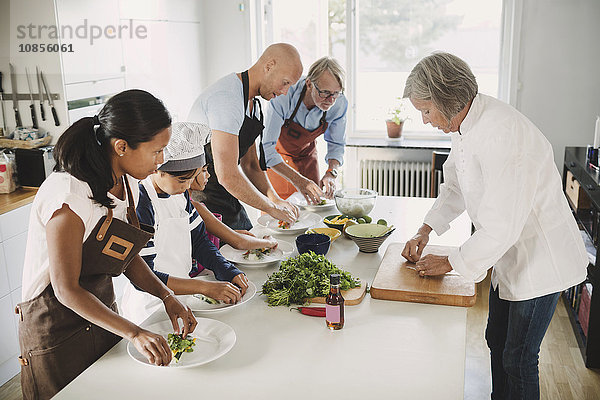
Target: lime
361	220
368	219
382	222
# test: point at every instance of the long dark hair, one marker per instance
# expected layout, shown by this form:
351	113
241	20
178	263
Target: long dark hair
83	150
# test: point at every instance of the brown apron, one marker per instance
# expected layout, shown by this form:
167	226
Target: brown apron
56	343
297	147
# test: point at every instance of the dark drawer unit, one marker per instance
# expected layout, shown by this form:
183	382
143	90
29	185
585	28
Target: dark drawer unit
582	189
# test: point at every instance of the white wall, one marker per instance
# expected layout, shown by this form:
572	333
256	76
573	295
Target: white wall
171	62
25	12
166	60
228	38
559	70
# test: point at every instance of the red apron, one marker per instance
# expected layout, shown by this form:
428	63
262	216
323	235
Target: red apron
297	147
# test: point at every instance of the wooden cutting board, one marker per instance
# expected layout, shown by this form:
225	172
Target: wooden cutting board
351	296
397	280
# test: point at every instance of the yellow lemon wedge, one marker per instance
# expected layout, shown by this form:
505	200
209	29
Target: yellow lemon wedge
348	223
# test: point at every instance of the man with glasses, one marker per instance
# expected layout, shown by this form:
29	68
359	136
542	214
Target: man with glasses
312	107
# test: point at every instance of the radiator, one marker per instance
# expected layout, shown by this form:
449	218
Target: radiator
397	178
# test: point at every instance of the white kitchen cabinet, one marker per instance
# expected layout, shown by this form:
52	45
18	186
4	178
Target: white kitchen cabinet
14	255
9	341
14	222
92	59
4	286
15	298
9	344
13	225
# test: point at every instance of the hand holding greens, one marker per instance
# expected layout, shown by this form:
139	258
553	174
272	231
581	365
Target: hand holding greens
179	345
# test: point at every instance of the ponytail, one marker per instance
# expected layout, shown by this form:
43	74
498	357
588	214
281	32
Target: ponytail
84	150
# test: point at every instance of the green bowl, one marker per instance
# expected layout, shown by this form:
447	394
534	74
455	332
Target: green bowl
368	237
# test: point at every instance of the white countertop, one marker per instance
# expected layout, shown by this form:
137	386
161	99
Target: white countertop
386	349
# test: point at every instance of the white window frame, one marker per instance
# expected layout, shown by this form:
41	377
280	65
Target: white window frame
508	70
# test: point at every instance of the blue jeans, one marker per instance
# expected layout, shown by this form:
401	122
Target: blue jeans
514	333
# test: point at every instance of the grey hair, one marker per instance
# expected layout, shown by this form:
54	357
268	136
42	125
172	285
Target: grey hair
445	80
326	64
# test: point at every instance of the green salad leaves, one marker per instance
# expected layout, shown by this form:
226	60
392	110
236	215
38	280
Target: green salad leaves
302	277
179	345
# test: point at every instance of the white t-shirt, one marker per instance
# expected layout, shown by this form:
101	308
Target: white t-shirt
221	105
58	189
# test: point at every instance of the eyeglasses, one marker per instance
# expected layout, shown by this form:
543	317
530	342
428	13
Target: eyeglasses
326	93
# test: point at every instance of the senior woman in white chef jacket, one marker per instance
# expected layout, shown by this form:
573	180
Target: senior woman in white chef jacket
501	171
180	234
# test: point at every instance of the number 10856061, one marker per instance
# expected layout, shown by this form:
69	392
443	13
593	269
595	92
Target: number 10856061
45	48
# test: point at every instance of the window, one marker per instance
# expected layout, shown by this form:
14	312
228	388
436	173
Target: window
379	41
316	27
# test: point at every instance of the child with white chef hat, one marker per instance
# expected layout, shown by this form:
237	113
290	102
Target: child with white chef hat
180	232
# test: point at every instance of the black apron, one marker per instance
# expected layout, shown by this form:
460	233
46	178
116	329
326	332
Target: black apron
56	343
215	196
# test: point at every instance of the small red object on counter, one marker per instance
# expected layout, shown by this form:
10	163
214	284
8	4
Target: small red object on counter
312	311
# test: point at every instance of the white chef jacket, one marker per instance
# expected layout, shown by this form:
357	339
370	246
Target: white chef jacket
501	170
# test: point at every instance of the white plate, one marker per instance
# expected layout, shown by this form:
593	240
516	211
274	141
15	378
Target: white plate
305	220
213	340
283	250
298	199
200	305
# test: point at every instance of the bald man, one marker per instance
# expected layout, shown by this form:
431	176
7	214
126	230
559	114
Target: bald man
230	109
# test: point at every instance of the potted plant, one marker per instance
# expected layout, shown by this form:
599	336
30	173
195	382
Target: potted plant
396	119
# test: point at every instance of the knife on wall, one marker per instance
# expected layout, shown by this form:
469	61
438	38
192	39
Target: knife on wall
5	131
39	79
31	106
15	99
50	101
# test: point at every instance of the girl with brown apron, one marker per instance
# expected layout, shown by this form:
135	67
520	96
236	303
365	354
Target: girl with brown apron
68	318
298	148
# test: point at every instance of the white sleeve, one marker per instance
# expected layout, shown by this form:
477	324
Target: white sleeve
66	190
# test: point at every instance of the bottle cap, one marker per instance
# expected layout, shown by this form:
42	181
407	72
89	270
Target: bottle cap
334	279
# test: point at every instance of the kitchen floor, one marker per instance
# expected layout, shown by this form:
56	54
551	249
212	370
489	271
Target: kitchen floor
563	375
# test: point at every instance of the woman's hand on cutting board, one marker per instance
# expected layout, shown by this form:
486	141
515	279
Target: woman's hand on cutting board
414	247
431	264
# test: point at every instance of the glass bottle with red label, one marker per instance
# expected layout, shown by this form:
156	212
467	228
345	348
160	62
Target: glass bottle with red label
334	307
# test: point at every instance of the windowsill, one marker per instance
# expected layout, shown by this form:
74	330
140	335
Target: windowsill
409	140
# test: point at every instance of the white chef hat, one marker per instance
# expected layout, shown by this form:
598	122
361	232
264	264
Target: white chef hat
185	150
